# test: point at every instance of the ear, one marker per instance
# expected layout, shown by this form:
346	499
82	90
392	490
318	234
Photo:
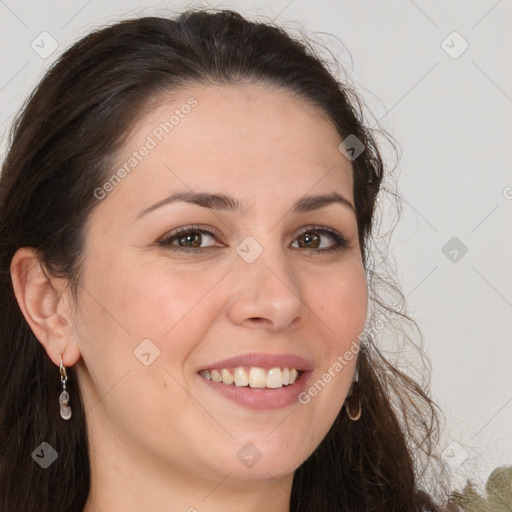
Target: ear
45	304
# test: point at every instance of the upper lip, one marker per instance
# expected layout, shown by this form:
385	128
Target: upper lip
266	361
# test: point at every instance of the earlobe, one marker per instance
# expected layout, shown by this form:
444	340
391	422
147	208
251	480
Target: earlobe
42	302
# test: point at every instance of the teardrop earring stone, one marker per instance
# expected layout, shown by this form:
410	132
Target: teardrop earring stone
65	410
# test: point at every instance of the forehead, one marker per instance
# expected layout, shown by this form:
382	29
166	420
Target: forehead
244	140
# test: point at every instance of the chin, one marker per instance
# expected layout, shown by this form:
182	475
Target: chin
261	458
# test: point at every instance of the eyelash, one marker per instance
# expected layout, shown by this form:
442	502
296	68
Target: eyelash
340	242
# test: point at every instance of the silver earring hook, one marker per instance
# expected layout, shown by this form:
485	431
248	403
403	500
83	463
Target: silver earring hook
65	409
63	374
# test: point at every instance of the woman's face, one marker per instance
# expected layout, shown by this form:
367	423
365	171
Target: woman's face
255	286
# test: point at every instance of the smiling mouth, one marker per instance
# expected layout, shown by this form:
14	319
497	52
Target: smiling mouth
254	377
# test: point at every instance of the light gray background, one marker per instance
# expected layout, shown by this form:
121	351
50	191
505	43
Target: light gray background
452	119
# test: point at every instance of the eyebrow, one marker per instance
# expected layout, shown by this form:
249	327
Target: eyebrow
222	202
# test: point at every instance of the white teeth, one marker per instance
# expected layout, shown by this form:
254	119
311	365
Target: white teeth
227	378
240	377
216	376
274	378
255	378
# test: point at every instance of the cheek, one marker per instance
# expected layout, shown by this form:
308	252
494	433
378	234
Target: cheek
173	308
155	301
342	310
342	305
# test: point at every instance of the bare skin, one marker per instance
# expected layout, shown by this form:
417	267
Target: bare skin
161	438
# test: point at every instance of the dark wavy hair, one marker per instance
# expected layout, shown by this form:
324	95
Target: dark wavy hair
63	145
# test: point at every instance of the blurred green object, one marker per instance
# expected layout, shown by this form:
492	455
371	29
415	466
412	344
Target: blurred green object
499	494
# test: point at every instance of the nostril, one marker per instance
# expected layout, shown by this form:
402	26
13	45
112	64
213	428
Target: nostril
258	320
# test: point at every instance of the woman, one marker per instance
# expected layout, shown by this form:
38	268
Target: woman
190	310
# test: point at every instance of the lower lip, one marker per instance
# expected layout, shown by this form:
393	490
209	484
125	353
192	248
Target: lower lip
261	399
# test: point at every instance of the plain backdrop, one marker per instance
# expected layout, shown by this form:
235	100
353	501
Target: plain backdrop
437	75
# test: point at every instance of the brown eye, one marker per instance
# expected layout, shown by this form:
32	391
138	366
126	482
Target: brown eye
189	238
318	238
309	240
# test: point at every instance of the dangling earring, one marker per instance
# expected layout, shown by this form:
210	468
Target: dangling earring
65	409
352	402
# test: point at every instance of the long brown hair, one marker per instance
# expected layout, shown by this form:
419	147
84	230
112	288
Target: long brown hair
62	147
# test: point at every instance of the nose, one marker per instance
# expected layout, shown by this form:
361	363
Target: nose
267	294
